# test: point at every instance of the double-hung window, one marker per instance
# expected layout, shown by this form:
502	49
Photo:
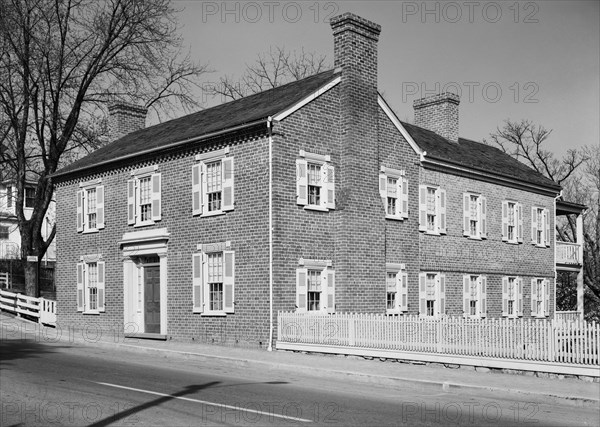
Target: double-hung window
315	181
512	222
540	297
315	287
144	197
474	296
9	196
213	279
474	216
212	183
90	206
4	232
432	209
512	296
29	197
90	285
396	288
393	189
540	226
432	294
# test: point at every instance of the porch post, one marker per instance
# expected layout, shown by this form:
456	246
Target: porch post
580	273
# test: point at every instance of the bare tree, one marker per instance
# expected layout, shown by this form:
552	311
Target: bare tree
271	69
579	174
60	62
525	141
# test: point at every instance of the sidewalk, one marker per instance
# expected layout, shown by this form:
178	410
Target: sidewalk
393	374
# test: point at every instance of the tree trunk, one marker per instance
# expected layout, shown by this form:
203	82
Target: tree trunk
31	278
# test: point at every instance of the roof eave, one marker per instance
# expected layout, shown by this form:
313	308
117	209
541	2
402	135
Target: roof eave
167	147
549	190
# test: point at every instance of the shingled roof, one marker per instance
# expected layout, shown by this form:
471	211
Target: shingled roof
475	155
230	115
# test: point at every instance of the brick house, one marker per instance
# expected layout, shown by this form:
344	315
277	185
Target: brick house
312	196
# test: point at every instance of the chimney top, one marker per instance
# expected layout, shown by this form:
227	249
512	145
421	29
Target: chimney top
352	22
436	99
124	118
438	113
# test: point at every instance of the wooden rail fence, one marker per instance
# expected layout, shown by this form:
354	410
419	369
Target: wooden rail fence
575	342
44	310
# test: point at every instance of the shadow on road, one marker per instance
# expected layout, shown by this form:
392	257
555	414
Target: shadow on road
14	349
129	412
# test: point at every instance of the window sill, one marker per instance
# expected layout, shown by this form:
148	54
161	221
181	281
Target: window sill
394	312
213	314
431	233
213	213
511	242
394	217
92	313
474	238
144	224
316	208
90	231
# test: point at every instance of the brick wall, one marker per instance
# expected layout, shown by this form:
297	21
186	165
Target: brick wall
453	253
246	227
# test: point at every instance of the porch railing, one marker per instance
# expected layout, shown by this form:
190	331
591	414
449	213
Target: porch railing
567	253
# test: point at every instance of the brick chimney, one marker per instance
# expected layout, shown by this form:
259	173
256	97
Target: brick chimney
124	118
438	113
359	217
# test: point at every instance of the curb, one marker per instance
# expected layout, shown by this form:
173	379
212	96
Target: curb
415	383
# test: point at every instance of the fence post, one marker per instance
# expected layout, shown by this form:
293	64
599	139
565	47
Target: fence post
351	332
439	335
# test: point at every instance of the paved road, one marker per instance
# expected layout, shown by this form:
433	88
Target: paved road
69	384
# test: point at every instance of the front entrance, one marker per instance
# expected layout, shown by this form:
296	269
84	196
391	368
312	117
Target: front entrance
152	299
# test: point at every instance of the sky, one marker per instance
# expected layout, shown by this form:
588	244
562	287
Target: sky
535	60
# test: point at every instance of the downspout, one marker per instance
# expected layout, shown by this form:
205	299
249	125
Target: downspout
270	130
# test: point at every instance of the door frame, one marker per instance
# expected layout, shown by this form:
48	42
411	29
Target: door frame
136	244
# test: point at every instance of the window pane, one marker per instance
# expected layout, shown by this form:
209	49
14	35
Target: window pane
145	199
29	197
314	290
214	185
92	285
91	208
215	280
314	184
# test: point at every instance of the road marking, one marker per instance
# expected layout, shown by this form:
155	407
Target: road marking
219	405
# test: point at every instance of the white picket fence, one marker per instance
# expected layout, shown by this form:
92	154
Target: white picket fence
40	308
576	342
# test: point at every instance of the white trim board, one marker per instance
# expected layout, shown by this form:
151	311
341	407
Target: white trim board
282	115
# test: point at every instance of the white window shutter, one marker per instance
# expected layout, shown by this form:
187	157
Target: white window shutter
519	207
100	285
483	296
156	197
80	196
80	279
404	193
330	274
547	225
519	284
422	208
131	201
534	225
330	187
383	189
100	207
228	179
422	294
204	188
466	295
483	231
196	189
534	297
505	296
403	292
466	215
505	221
301	289
442	211
547	297
442	294
197	292
228	281
301	182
